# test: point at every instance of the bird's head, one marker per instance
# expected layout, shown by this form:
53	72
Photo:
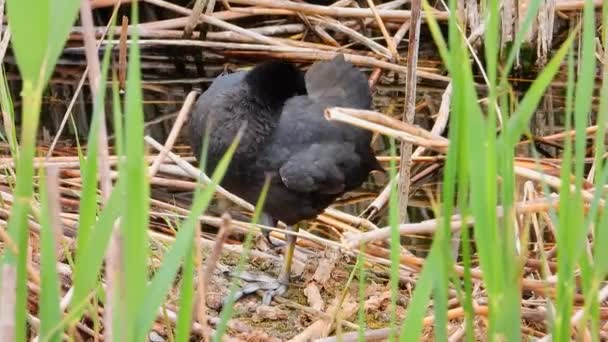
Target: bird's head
275	82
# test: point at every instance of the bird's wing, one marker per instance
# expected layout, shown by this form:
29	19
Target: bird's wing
321	168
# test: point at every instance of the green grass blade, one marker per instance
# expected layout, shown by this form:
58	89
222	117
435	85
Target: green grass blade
186	301
6	102
227	309
89	261
561	324
37	47
600	251
156	291
411	329
395	240
518	123
601	176
18	228
361	311
531	13
87	224
584	90
67	10
35	63
88	197
30	57
582	106
134	226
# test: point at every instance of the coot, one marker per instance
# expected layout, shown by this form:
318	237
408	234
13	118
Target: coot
311	161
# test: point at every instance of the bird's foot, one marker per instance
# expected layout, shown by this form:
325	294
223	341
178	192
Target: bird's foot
256	281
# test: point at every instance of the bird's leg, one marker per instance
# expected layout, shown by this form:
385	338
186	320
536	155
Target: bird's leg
286	269
272	286
267	220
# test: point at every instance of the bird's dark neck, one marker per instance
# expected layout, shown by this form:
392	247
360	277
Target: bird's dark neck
262	112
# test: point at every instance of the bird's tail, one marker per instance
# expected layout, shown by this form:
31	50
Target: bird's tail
338	82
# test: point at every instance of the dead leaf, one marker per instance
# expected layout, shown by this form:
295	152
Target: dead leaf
377	301
257	336
324	326
313	294
271	312
326	266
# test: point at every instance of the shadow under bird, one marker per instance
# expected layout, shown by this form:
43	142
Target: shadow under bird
310	161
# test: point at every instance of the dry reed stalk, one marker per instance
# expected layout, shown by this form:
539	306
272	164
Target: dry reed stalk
561	135
195	14
219	23
381	123
122	54
107	3
336	225
174	133
579	314
382	198
73	162
230	248
554	182
543	288
326	37
530	194
383	333
388	15
353	34
197	174
6	38
322	327
94	69
507	20
430	226
409	111
354	221
238	225
544	38
575	5
286	52
441	121
204	277
7	298
53	195
390	43
176	34
172	316
272	30
312	311
401	31
243	12
157	181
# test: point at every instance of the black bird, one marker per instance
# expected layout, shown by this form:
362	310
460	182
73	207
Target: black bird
311	161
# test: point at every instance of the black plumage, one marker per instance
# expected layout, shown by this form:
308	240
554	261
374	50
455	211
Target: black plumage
311	161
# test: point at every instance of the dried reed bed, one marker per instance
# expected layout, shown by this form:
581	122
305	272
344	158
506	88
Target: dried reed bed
372	37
